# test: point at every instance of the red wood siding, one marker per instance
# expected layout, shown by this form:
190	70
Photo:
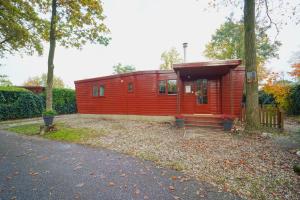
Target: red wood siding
145	99
236	91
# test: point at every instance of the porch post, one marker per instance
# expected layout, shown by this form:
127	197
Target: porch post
231	92
178	93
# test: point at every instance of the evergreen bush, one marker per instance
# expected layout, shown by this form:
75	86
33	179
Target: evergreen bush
16	103
294	100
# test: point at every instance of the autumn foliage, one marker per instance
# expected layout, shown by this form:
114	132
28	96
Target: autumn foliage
278	89
296	71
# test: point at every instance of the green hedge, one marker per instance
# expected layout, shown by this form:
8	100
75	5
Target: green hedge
16	103
294	100
265	98
64	101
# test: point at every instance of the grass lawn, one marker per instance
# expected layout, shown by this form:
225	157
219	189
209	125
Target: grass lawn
63	133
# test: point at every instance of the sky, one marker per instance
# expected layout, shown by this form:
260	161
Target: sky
141	30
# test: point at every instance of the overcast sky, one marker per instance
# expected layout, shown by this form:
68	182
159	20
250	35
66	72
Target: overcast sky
141	30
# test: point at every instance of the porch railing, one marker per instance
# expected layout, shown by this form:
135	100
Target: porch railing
269	117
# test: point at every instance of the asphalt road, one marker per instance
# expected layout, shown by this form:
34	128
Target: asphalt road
33	168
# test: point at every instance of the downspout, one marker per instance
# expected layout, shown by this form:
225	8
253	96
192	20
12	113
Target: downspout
231	92
178	92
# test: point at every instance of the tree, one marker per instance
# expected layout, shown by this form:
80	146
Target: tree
72	24
21	29
42	81
296	71
4	81
279	89
258	14
121	69
295	66
228	43
252	116
169	58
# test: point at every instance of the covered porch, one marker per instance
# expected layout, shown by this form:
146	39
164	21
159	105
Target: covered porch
209	89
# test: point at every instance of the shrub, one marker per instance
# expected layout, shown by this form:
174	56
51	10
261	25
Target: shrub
13	89
19	103
265	98
16	103
64	101
49	113
294	98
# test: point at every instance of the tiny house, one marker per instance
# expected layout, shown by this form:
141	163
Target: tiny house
214	87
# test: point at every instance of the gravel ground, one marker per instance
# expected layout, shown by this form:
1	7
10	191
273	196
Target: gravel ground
252	167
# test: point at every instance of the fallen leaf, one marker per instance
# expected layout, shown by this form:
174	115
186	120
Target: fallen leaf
33	173
111	184
137	191
102	176
44	158
171	188
77	196
80	185
78	167
174	178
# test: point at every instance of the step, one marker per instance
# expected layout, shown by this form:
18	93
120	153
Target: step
204	126
204	123
202	119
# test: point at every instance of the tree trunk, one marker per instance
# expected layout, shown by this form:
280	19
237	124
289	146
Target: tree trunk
51	57
252	114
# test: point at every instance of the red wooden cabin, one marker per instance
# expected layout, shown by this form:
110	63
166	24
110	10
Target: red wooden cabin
191	88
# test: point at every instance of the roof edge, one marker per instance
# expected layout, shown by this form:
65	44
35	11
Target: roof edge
125	74
232	62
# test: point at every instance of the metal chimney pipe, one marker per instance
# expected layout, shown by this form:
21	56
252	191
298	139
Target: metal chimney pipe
184	51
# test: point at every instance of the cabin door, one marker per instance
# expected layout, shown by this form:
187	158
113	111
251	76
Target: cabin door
202	97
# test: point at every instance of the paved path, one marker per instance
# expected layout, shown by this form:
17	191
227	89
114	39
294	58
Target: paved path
33	168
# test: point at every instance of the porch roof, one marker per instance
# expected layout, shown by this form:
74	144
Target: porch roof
210	68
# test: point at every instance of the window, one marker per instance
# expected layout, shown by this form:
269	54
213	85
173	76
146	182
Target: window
188	89
101	91
172	86
162	87
201	91
95	91
130	87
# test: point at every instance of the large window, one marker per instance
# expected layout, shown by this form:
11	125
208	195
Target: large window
95	91
172	86
162	87
101	91
201	91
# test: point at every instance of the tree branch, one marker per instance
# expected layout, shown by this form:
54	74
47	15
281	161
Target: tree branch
13	35
270	19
